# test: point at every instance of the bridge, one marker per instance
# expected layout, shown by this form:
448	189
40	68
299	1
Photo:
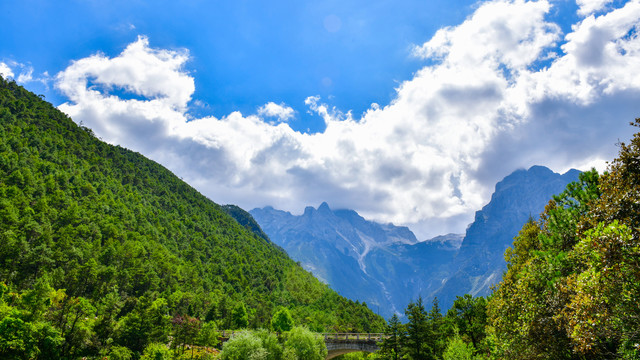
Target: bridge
339	343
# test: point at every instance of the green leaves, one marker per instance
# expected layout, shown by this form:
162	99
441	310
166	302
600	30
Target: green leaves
252	345
470	317
282	321
395	332
302	344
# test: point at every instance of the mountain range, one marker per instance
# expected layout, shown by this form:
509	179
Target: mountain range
386	266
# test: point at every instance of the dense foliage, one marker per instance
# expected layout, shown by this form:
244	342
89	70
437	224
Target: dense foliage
297	344
430	335
104	252
245	219
572	289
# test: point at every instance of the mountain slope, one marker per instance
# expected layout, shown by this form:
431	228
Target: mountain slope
124	237
245	219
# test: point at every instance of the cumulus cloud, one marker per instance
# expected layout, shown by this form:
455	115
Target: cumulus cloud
5	71
279	111
587	7
25	76
504	90
152	73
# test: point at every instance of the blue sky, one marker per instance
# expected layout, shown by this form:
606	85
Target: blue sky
406	111
243	53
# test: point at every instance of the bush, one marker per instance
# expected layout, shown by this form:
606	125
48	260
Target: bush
156	351
302	344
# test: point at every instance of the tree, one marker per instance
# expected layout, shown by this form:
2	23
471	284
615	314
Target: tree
520	314
458	349
438	329
242	346
16	337
603	312
250	345
271	344
156	351
469	315
419	332
208	335
391	346
609	257
240	317
185	331
524	311
302	344
282	321
119	353
147	323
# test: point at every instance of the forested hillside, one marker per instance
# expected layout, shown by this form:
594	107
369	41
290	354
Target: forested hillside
103	251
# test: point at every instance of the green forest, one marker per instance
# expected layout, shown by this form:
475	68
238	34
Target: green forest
105	254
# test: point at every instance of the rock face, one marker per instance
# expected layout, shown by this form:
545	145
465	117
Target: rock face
480	260
380	264
387	267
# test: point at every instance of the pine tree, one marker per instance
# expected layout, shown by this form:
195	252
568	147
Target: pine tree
418	332
436	320
395	333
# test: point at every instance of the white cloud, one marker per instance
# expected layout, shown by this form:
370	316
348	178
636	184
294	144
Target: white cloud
154	74
482	109
25	76
588	7
25	73
5	71
279	111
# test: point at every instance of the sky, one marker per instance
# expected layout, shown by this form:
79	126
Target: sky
405	111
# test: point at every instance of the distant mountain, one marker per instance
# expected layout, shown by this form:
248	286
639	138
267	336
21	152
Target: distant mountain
380	264
480	260
385	266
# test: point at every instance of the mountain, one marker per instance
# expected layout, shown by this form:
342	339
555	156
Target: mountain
480	261
380	264
387	267
103	250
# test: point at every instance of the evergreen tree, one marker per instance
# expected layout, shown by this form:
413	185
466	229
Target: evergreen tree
469	315
391	346
240	317
419	332
282	321
438	329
